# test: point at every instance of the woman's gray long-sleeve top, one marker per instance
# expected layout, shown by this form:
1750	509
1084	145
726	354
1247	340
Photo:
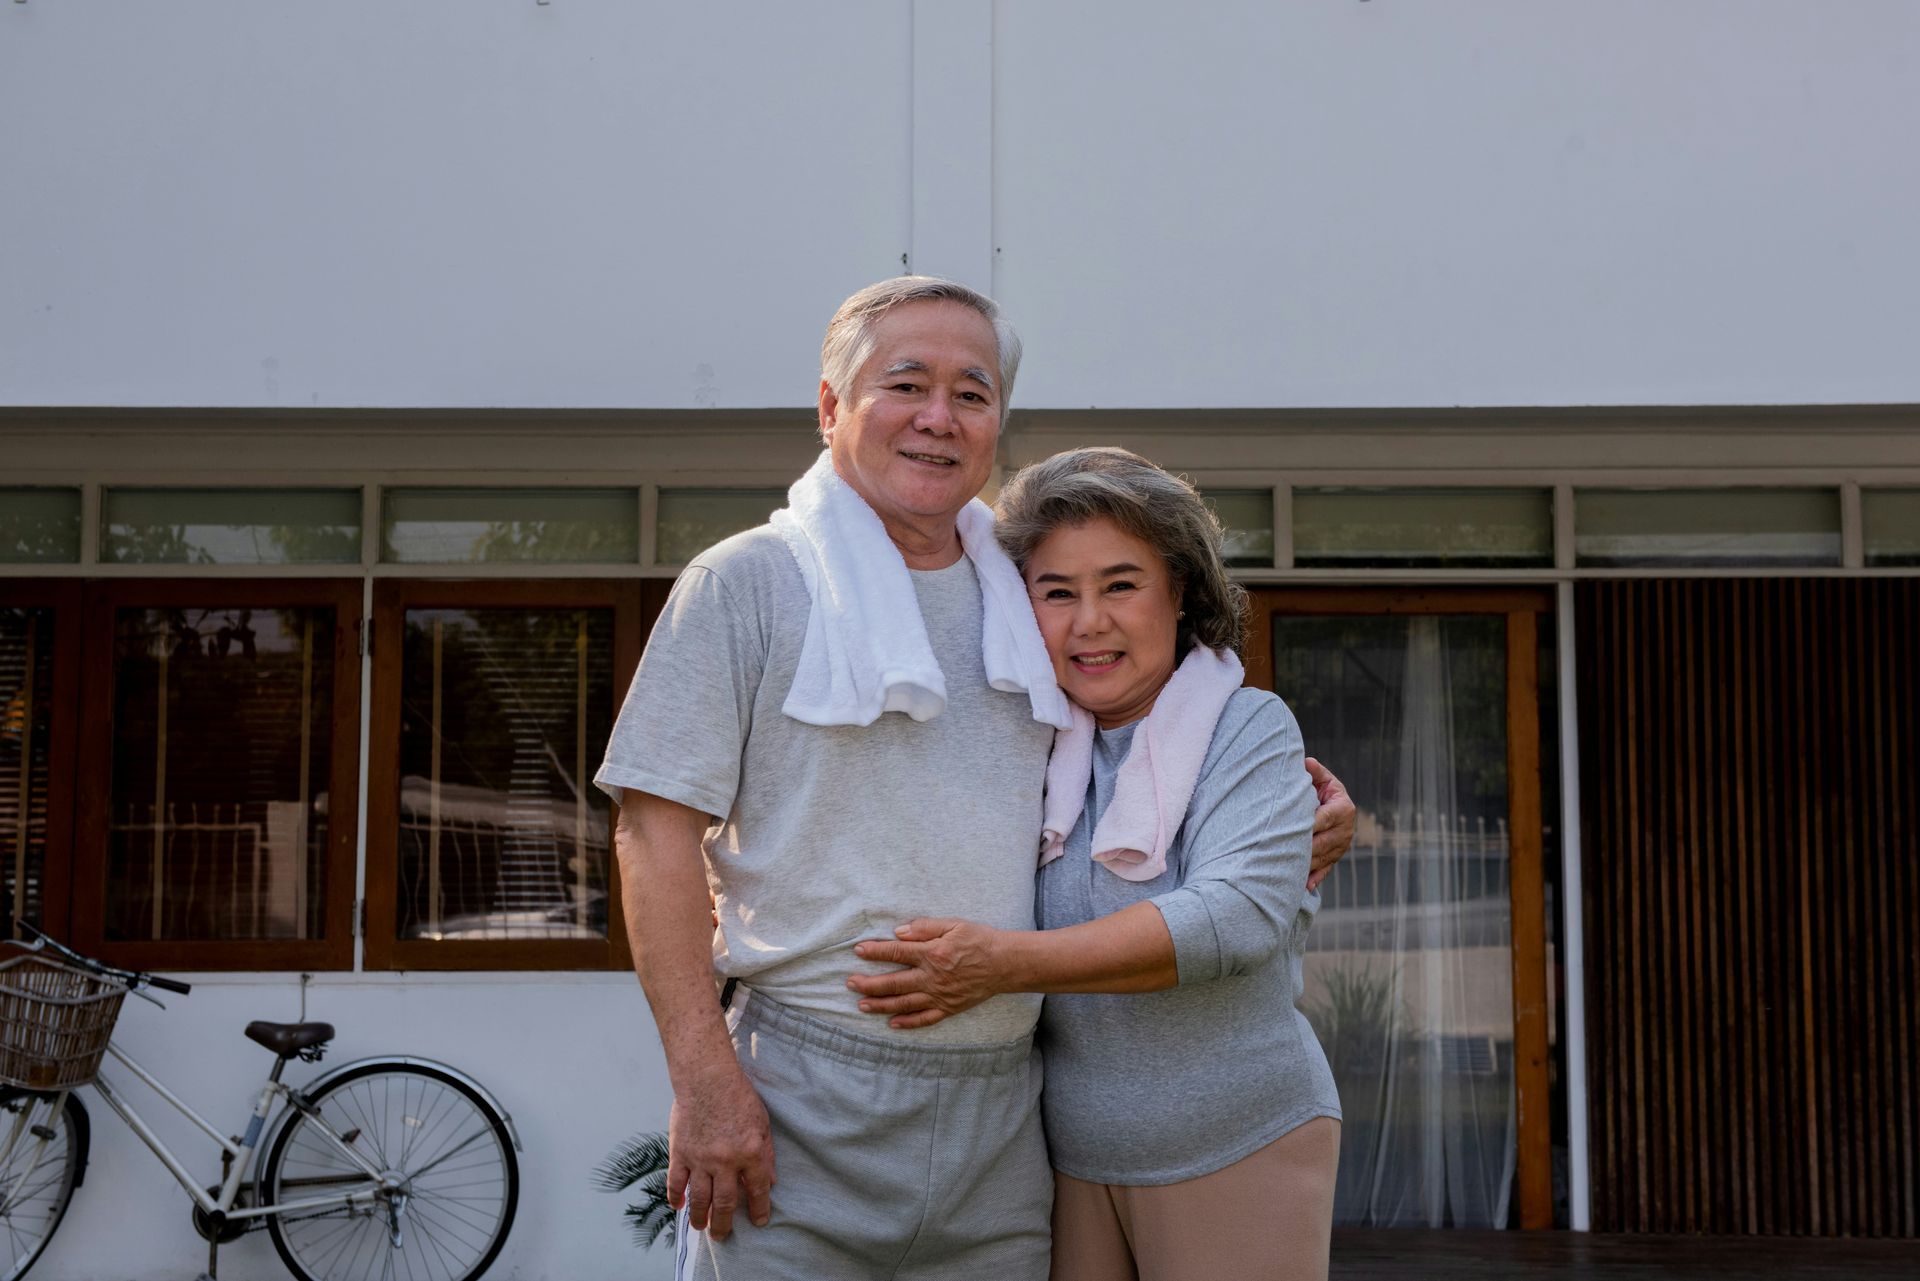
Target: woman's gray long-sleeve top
1165	1086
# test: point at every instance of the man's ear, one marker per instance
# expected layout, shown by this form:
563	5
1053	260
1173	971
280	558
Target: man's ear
829	412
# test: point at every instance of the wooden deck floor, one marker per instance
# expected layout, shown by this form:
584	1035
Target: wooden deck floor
1411	1255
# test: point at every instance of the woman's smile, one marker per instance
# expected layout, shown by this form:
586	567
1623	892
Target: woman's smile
1109	611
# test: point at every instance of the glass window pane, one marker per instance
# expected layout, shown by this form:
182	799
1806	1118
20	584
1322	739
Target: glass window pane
222	725
1890	526
692	520
1707	527
230	526
1248	517
1487	528
1408	977
465	526
39	525
26	719
501	833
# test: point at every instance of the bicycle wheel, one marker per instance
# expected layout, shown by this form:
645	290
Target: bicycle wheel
34	1193
448	1194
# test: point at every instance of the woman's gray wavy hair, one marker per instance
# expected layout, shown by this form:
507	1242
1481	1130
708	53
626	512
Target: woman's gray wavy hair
1161	509
850	333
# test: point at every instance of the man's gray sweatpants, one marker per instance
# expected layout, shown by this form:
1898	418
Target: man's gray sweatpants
892	1161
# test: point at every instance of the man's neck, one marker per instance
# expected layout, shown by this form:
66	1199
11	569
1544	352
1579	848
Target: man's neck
933	546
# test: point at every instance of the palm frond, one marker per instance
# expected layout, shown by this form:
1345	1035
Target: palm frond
632	1161
652	1222
641	1164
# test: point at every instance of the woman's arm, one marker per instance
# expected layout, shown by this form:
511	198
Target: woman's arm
1249	851
954	965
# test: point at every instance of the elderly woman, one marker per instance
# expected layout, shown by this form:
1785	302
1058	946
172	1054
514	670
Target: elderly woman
1190	1114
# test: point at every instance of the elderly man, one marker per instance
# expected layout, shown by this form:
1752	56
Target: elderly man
763	787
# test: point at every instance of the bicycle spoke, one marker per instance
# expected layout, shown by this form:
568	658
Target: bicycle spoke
443	1152
36	1177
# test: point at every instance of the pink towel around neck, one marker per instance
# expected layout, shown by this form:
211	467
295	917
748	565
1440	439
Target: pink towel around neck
1155	782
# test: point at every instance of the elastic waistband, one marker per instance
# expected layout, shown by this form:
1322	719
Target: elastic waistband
756	1013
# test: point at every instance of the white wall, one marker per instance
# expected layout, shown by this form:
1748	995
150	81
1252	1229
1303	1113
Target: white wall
1482	202
443	202
607	203
573	1057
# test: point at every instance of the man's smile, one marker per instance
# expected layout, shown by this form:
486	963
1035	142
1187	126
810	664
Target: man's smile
938	460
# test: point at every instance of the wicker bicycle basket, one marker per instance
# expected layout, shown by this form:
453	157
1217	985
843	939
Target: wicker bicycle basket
55	1022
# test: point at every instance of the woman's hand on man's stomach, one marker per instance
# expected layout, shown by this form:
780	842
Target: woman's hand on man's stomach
949	966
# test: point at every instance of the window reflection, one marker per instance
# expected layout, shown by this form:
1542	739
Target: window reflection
222	719
1409	963
501	836
691	520
454	526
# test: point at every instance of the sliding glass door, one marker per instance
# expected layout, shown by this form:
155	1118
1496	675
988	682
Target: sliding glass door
1425	975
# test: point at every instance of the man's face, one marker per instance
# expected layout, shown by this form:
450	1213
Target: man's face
916	431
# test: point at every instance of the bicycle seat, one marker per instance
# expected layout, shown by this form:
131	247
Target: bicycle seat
288	1039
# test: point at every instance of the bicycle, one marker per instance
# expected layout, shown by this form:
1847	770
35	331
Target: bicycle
382	1167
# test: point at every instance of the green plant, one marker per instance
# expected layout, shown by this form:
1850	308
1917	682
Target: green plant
1355	1018
641	1163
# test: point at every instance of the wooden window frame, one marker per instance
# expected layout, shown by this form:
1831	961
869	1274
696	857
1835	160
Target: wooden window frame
634	603
333	950
1522	608
62	597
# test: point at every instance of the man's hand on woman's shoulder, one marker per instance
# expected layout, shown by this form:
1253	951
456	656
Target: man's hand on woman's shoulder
1333	822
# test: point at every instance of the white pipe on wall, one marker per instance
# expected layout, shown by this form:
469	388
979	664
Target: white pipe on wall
1579	1191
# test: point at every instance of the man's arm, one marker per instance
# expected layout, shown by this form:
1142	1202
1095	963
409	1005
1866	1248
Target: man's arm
718	1137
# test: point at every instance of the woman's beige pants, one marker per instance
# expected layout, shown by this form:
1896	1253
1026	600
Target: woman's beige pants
1266	1217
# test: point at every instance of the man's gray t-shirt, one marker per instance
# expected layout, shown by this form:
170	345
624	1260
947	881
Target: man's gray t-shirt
830	835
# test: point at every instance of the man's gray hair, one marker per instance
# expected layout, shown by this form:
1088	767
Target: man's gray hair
1159	508
850	333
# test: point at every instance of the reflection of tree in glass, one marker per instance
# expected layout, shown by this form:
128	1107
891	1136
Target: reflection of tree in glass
31	536
564	540
1356	1016
315	544
154	544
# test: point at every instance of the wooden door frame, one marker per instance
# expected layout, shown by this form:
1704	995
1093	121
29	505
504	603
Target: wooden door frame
634	604
333	950
1522	608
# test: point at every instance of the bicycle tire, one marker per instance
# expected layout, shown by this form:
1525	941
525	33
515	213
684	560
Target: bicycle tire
27	1223
413	1121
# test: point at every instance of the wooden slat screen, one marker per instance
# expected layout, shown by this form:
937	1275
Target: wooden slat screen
1750	752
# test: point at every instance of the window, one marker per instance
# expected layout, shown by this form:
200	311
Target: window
488	846
1247	515
1388	528
1890	526
1706	527
36	748
39	526
467	526
691	520
230	526
217	803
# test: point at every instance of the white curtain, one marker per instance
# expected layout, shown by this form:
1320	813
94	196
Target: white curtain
1411	989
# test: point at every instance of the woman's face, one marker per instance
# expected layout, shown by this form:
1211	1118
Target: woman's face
1108	609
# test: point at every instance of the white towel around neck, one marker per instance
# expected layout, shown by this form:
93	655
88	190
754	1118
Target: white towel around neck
866	651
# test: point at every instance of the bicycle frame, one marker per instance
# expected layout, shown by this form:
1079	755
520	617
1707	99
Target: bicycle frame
238	1153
